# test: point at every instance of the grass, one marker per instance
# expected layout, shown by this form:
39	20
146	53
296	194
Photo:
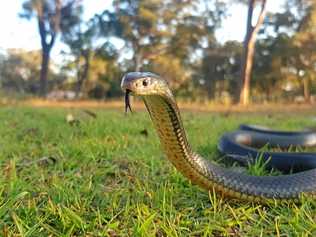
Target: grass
106	176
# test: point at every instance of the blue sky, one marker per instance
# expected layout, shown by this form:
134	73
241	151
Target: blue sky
20	33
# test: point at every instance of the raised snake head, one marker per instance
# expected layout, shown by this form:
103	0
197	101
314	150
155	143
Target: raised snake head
144	84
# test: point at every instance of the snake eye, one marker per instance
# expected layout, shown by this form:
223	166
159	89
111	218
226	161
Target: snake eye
145	82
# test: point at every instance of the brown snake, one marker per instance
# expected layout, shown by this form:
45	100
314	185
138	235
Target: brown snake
165	115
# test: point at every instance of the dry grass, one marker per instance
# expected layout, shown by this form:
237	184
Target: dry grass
190	106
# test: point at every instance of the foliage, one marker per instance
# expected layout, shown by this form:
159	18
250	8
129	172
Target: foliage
19	71
137	24
171	68
220	67
176	39
293	47
304	42
79	38
272	77
163	36
105	74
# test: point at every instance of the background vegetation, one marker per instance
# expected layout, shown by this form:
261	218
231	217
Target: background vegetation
175	39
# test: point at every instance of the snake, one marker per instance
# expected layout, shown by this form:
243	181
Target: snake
242	146
160	102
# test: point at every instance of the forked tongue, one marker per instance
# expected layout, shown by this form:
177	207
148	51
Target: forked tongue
127	101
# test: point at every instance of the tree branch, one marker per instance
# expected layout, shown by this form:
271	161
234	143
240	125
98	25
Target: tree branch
260	18
41	24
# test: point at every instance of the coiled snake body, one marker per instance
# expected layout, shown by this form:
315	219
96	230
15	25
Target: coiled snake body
165	115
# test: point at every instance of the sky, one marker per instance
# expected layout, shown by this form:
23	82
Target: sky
21	33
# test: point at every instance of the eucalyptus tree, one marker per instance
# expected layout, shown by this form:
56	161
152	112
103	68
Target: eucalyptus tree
51	16
249	47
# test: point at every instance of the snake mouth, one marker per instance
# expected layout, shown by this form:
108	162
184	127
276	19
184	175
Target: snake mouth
127	101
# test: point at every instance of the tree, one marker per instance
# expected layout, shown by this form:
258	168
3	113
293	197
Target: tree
271	70
249	48
305	42
168	37
80	39
19	70
137	24
51	15
221	64
298	23
106	71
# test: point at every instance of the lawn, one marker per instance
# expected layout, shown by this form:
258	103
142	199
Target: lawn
104	174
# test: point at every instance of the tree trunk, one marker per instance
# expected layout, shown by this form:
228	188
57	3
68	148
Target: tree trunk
138	62
47	30
306	88
44	72
211	87
79	86
249	49
246	73
81	77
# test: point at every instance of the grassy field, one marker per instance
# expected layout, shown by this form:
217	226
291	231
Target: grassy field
105	175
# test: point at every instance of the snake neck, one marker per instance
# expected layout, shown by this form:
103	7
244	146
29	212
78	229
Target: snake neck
166	118
168	124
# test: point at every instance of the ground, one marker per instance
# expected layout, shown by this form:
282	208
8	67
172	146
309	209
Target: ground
102	173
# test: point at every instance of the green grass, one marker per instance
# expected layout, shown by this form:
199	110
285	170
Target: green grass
104	177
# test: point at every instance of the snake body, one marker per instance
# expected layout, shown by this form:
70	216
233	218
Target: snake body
241	145
166	118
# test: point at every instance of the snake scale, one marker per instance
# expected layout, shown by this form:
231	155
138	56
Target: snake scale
165	115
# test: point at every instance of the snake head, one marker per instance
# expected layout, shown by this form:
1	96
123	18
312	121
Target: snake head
144	84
